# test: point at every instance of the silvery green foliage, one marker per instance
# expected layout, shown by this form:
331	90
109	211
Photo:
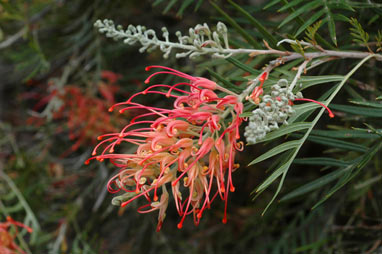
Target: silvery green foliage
199	41
272	111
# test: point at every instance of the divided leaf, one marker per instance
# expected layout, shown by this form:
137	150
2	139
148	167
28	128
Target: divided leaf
378	38
311	32
359	35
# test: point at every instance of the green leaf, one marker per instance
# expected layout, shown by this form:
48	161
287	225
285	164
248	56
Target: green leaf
310	21
359	33
238	28
338	16
286	129
373	19
302	109
373	130
273	177
358	166
331	142
331	25
33	222
284	171
198	4
344	134
168	7
321	161
157	2
306	8
14	208
285	167
184	5
367	183
312	246
368	104
276	150
361	111
272	41
246	114
272	3
242	66
308	81
340	5
224	81
354	94
313	185
290	4
378	38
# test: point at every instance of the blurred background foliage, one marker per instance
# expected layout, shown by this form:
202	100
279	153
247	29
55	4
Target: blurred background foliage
59	76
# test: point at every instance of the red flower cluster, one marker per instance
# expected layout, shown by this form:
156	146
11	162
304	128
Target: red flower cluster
82	120
7	240
189	147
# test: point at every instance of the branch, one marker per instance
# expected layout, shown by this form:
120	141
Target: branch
13	38
202	41
298	75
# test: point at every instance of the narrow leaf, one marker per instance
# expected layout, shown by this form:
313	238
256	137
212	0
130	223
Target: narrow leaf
362	111
273	177
272	3
302	109
331	142
313	185
276	150
246	114
284	172
331	26
290	4
170	4
285	167
272	41
286	129
309	81
310	21
184	5
242	66
198	4
344	134
224	81
368	103
321	161
238	28
306	8
362	162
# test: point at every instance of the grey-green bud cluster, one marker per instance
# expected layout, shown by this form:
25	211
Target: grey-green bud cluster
199	41
273	110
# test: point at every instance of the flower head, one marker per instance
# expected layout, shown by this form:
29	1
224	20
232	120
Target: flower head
7	240
188	148
70	105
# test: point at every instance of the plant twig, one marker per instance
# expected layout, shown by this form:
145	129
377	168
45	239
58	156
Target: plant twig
298	74
202	41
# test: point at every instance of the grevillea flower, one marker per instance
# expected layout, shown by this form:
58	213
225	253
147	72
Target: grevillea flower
188	148
82	122
7	240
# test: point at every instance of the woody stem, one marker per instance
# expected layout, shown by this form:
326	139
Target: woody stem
298	74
